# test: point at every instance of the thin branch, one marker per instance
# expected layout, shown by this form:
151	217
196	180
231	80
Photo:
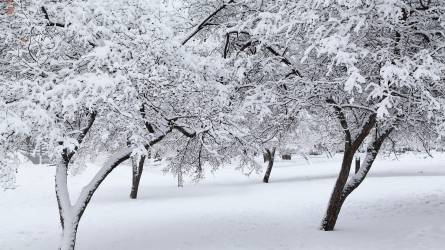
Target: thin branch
204	23
284	60
87	128
50	23
226	46
358	107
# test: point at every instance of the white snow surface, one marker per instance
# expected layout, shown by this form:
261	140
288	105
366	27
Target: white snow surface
401	205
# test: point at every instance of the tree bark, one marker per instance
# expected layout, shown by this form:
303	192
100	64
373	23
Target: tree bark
137	168
357	164
269	157
336	201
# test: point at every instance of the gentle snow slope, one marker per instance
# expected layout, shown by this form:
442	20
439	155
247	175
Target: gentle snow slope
400	206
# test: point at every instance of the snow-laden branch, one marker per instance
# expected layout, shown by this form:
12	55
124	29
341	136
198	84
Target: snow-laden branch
87	192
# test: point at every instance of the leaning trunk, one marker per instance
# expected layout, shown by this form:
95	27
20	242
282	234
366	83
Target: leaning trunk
269	157
336	201
70	215
138	167
344	187
351	146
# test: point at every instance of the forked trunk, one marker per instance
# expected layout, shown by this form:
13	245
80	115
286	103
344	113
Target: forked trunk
70	215
351	146
269	156
344	187
137	168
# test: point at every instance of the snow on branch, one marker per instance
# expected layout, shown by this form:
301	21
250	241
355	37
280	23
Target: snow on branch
205	22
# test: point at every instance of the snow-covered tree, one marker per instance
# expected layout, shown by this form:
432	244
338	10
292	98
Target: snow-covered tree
382	64
129	77
86	70
378	65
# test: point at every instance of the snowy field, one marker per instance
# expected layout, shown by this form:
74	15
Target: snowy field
400	206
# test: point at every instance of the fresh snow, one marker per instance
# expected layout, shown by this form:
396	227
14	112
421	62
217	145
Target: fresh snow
401	205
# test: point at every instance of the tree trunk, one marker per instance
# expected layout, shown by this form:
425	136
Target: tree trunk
69	219
68	224
344	187
70	215
180	178
270	157
69	233
336	201
351	146
137	167
61	187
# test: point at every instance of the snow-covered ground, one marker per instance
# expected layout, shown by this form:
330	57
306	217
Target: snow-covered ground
400	206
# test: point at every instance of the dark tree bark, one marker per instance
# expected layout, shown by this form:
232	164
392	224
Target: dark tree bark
351	147
137	168
371	154
344	187
357	164
335	202
269	156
